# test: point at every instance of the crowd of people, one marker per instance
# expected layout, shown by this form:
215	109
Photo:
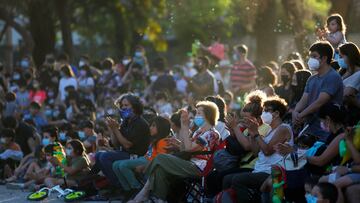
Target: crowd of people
143	131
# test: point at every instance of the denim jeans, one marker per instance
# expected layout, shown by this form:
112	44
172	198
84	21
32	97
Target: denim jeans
105	160
124	170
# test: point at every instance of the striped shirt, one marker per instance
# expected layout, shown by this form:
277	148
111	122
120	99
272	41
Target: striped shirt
243	76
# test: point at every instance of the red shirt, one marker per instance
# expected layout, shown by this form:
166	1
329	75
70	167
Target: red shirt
243	76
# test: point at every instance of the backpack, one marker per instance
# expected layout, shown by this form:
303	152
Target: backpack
226	196
223	160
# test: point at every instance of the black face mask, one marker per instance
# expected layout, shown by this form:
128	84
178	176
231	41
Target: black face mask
285	79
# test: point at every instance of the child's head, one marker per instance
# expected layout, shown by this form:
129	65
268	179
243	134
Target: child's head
175	121
10	97
50	135
161	96
325	193
335	23
34	108
159	128
75	148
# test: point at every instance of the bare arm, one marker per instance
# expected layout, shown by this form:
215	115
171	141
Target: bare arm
302	103
184	134
330	152
315	106
117	134
280	136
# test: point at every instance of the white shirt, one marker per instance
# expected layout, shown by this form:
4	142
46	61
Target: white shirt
86	82
65	82
181	85
264	163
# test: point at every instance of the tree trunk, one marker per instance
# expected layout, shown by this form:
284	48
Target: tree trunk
62	7
42	29
25	34
340	6
121	34
295	11
264	32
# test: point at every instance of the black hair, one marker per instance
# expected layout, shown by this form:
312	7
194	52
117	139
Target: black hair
205	60
35	105
10	96
242	48
67	70
324	48
7	132
108	63
277	104
161	95
9	122
160	63
176	119
52	130
328	191
163	128
220	103
63	57
135	102
335	112
78	146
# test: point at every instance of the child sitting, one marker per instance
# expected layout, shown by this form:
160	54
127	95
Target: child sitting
10	153
77	165
124	169
323	192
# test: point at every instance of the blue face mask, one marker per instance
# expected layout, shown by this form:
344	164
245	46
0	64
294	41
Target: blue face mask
310	198
199	121
48	113
62	136
81	135
342	63
24	64
138	54
45	142
68	151
126	113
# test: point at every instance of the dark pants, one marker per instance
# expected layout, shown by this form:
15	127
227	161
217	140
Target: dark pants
215	177
105	160
242	182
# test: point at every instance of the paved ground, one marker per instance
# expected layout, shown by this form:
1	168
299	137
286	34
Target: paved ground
18	196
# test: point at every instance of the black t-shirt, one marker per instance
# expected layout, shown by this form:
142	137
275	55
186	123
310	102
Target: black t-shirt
137	131
164	82
24	132
286	94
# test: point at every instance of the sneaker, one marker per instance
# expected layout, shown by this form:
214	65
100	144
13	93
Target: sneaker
15	186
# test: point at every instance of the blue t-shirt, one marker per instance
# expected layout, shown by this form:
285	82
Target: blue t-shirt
330	83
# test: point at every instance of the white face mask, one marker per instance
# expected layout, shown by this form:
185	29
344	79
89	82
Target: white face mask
125	62
81	63
266	117
313	64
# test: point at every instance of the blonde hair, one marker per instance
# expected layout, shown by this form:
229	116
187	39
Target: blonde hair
211	111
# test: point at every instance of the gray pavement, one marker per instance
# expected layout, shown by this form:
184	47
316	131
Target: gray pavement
18	196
